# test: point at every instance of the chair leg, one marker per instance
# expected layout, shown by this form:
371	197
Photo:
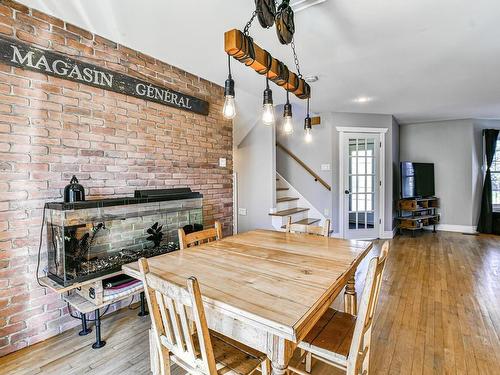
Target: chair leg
266	367
366	363
159	357
302	356
308	362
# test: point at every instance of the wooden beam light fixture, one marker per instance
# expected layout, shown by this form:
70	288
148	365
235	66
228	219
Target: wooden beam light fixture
244	49
239	45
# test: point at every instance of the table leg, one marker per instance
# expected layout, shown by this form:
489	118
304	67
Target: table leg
280	352
350	302
279	369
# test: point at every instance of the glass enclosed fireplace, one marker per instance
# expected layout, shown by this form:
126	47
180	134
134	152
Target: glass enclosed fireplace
94	238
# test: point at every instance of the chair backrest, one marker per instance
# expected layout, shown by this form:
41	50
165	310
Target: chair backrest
202	236
168	306
360	345
310	229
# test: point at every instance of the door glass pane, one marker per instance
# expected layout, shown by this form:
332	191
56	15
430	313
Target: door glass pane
361	202
369	166
361	220
361	182
369	202
370	220
352	220
370	148
362	163
369	184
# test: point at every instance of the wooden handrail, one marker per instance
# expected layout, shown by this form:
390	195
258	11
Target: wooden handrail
303	165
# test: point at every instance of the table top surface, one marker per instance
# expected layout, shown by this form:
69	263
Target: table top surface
276	278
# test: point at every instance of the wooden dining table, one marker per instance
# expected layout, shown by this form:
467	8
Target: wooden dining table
266	289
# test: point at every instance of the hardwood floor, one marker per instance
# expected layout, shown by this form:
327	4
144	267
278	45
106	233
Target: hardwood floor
439	313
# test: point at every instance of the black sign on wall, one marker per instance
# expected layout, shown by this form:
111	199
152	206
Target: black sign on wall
15	53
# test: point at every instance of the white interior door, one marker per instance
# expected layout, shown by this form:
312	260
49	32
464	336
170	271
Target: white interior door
361	180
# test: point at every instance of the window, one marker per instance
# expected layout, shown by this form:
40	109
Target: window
495	178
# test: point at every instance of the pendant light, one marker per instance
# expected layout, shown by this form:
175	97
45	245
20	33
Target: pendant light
308	125
229	109
268	107
287	114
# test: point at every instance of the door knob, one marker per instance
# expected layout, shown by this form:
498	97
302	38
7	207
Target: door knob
347	192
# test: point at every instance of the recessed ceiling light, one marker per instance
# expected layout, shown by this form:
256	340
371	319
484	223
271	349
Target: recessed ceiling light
311	79
299	5
362	99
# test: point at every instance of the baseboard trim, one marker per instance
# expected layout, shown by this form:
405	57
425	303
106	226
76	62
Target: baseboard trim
388	234
455	228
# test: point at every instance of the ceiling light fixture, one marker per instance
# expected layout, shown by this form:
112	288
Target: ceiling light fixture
287	114
311	79
299	5
229	109
240	45
268	105
362	99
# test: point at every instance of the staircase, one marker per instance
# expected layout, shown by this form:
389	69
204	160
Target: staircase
290	203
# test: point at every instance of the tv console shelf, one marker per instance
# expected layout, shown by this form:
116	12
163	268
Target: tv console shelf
417	213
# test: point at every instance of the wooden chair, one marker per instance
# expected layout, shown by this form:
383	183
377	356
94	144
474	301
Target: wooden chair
310	229
343	340
202	236
198	351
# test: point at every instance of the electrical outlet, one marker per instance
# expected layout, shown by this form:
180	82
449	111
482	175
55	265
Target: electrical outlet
222	162
325	167
242	211
326	212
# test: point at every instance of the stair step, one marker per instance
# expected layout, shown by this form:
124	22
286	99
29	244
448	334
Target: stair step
286	199
307	221
289	212
282	189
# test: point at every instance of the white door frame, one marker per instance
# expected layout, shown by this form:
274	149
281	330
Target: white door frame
381	131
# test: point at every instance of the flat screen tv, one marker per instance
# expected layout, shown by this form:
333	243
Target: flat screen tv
417	180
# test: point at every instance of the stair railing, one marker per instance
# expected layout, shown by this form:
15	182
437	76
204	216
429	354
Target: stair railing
304	165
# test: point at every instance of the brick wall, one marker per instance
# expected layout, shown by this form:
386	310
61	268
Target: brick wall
51	129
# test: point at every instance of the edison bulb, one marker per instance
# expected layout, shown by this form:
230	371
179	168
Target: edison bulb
229	109
268	114
308	136
288	125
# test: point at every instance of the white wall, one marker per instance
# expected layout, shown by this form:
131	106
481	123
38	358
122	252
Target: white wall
447	144
396	188
455	147
254	163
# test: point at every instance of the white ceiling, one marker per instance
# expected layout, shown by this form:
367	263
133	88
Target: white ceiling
417	59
